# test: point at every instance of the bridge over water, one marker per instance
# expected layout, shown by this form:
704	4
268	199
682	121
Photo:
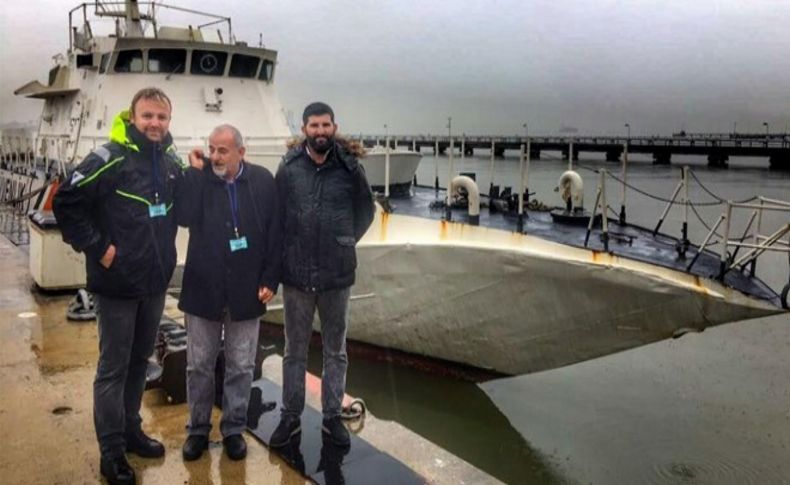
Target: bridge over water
775	148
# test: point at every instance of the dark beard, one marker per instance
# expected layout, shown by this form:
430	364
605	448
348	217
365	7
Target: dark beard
322	146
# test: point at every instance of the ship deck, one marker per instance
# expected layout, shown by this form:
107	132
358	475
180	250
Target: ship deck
627	241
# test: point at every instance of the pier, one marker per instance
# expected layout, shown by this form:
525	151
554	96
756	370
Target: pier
775	148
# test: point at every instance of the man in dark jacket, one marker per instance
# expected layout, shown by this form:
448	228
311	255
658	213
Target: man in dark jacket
327	207
116	207
232	270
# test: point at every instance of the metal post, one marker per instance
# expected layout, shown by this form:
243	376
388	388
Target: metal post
387	170
705	242
436	166
684	243
604	213
526	177
623	174
448	213
570	155
491	186
592	216
463	152
753	264
521	190
723	260
666	210
414	144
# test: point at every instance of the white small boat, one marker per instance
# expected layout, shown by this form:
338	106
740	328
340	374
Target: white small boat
402	167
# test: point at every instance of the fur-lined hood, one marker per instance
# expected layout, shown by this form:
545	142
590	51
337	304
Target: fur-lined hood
352	146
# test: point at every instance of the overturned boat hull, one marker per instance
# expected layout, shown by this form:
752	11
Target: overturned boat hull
515	303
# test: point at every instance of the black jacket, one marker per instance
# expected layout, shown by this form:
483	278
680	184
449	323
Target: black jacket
106	200
216	278
326	209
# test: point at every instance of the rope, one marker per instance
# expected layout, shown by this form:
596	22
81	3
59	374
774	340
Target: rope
27	196
721	201
354	410
699	218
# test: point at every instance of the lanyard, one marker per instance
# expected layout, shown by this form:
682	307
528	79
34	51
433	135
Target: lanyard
234	206
155	159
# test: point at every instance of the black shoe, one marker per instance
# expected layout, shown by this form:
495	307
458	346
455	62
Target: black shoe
289	426
144	446
235	447
336	431
117	471
194	446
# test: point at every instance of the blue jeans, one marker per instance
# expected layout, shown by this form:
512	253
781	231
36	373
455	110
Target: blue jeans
127	334
300	308
204	338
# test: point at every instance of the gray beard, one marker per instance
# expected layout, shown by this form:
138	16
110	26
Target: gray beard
219	172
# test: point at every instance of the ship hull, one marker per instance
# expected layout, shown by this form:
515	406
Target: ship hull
514	303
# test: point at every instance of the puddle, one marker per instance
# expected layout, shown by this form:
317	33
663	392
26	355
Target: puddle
60	344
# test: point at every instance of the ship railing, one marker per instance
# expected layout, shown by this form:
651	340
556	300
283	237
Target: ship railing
117	9
760	242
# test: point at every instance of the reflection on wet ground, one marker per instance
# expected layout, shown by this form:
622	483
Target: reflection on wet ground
454	414
58	343
313	455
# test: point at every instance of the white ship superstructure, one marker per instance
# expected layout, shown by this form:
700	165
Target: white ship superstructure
210	77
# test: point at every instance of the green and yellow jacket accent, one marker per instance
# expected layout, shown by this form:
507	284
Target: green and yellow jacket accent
106	200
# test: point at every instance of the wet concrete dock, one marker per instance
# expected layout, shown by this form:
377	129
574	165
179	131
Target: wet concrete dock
46	373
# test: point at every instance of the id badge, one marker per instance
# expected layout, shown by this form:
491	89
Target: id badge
238	244
157	210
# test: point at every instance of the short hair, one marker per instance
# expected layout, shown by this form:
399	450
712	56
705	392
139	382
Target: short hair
151	93
317	109
237	138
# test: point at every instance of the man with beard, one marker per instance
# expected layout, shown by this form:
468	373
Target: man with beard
327	206
116	207
232	270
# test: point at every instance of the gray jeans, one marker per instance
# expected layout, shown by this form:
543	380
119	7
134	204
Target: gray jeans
127	334
204	338
300	307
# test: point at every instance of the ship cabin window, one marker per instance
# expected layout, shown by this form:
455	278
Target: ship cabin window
84	60
170	61
266	70
208	63
129	61
243	66
105	61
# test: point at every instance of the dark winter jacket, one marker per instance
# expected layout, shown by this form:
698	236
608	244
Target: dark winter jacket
216	278
107	200
326	209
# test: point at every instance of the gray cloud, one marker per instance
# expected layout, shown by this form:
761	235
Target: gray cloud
491	65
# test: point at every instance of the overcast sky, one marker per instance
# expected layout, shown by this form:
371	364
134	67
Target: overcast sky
492	65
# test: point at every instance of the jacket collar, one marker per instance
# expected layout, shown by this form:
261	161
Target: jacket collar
124	133
242	176
338	152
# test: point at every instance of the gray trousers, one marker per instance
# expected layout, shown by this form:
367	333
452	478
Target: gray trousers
300	307
127	334
204	339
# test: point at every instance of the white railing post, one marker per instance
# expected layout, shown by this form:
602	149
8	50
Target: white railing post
521	190
623	174
491	185
387	170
